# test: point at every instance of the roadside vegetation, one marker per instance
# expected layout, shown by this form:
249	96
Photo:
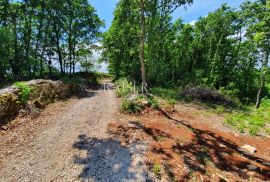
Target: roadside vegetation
25	91
253	121
133	101
221	61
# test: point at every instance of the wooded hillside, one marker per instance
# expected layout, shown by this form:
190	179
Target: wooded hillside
227	50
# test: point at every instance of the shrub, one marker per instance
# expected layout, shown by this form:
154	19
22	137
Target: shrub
131	107
25	91
124	87
207	95
153	103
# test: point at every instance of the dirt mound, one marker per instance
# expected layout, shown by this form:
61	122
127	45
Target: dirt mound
204	94
42	93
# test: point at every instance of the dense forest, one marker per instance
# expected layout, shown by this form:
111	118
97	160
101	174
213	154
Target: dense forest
227	50
41	37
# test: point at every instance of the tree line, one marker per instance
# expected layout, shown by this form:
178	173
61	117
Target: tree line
227	50
36	33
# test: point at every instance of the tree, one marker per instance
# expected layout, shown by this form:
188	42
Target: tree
257	16
32	31
142	7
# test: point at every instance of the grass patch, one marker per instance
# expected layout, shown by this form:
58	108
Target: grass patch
25	91
157	169
124	87
169	94
253	120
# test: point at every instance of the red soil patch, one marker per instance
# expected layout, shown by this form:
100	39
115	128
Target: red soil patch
196	147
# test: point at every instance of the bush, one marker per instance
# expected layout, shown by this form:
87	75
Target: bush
131	107
153	103
207	95
124	87
25	91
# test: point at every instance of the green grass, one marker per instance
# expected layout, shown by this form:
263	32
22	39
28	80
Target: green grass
25	91
253	120
157	169
169	94
124	87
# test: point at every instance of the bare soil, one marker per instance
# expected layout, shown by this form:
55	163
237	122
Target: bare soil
88	139
190	143
69	142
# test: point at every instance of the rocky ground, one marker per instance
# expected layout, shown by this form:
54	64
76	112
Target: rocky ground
69	142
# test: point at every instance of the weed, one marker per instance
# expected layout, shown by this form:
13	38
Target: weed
191	173
124	87
241	127
254	130
131	107
153	103
25	91
161	138
252	120
157	169
170	95
202	157
267	130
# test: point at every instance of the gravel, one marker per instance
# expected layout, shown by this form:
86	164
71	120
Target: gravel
75	146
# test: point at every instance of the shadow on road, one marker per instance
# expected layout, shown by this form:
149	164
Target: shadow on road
106	160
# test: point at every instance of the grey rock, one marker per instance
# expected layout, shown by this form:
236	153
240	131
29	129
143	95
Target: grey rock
248	149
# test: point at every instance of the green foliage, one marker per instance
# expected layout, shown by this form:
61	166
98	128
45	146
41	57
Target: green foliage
157	169
132	107
171	95
90	79
153	102
25	91
253	120
211	53
33	32
124	87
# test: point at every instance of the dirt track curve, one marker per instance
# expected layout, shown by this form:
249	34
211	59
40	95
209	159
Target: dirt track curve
75	146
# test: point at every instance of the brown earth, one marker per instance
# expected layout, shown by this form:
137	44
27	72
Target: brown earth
192	144
69	142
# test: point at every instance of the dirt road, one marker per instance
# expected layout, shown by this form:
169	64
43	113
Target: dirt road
75	146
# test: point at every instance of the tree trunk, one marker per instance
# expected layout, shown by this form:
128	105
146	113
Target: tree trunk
263	76
74	60
14	63
59	52
142	44
50	64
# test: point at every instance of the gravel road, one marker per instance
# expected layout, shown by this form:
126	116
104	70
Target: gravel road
75	146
